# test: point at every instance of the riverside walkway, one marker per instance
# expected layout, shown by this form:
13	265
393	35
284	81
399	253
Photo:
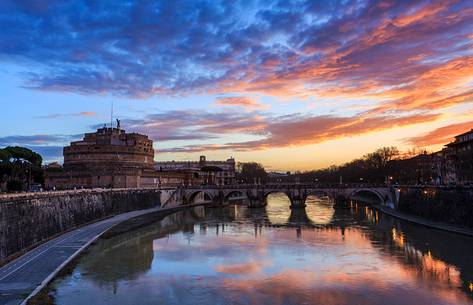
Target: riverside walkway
29	273
425	222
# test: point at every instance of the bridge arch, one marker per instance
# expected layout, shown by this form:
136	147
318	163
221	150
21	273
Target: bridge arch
190	198
288	194
374	194
319	193
229	194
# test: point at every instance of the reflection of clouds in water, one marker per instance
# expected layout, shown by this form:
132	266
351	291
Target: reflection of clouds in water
236	266
305	287
245	268
173	247
278	208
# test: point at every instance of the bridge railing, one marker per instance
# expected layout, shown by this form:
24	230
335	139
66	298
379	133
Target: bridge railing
290	185
6	197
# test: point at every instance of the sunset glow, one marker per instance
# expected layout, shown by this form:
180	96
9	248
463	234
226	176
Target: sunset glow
292	84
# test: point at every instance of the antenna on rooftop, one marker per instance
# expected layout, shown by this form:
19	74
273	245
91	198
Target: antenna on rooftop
111	116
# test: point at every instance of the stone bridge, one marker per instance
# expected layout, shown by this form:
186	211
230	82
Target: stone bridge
297	193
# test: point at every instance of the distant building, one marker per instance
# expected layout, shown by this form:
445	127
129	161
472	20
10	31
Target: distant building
202	171
451	165
109	157
459	157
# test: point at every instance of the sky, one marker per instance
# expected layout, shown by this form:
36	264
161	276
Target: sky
293	84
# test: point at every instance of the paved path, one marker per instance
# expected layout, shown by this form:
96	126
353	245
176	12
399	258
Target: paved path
425	222
30	272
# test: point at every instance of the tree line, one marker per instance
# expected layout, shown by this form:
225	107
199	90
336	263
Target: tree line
385	163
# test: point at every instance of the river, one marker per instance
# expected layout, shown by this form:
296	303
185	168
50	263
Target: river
235	255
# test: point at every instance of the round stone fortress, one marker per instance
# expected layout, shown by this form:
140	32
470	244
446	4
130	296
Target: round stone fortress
109	157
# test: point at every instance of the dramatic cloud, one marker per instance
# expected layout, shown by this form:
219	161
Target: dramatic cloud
241	101
408	54
304	130
406	61
196	125
65	115
440	135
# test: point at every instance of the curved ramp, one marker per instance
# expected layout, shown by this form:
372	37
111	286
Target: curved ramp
28	274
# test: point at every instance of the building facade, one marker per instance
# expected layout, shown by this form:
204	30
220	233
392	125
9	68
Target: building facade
202	171
109	157
453	165
459	158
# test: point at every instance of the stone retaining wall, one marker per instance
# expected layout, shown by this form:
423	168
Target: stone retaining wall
28	221
452	205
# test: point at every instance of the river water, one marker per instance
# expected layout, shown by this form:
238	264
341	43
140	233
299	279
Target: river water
236	255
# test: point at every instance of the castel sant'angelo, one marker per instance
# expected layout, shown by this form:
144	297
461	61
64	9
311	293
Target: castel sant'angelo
108	157
111	157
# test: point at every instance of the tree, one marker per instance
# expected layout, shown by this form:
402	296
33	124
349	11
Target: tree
372	167
248	172
22	154
5	156
380	158
19	166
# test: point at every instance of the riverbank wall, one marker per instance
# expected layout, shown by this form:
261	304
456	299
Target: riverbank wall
452	205
26	221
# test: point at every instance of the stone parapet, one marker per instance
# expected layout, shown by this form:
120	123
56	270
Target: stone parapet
30	219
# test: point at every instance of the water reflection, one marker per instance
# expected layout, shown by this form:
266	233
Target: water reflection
128	256
319	210
237	255
278	208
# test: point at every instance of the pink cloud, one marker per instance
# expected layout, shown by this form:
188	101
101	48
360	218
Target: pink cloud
241	101
65	115
299	130
442	135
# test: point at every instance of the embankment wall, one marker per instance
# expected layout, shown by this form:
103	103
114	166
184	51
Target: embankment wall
26	221
452	205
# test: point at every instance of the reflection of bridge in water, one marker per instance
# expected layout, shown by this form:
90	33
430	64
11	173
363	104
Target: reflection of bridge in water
297	193
130	254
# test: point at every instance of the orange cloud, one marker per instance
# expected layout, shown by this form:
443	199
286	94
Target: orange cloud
87	113
299	130
241	101
405	62
421	14
440	135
